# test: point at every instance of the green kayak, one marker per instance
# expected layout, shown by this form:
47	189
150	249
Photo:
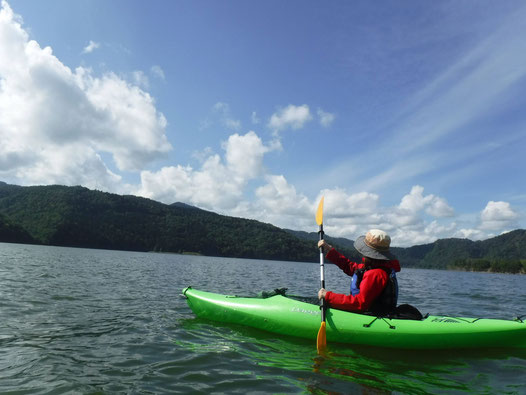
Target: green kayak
288	316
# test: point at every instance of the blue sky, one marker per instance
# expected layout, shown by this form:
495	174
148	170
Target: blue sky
407	117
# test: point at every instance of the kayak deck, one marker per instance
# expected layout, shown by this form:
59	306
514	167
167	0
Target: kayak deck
286	316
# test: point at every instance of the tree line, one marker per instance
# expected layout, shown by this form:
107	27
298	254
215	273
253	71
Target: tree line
513	266
80	217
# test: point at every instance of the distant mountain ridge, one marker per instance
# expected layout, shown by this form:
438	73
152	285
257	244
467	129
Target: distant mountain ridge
79	217
443	253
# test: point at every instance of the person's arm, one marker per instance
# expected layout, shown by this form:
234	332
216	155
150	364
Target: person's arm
344	263
338	259
372	285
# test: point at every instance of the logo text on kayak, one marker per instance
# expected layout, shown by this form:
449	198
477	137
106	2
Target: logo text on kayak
298	310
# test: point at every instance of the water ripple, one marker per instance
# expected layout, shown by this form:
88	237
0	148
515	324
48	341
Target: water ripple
90	321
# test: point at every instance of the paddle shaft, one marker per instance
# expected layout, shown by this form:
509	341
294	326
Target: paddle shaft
322	275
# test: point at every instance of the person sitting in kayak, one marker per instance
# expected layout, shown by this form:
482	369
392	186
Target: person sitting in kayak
374	288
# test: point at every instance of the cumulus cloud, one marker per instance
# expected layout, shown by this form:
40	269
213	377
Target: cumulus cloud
65	126
210	187
290	117
356	205
349	213
280	198
352	214
496	218
218	184
92	46
56	123
408	220
326	118
423	234
244	155
498	215
92	172
433	205
471	234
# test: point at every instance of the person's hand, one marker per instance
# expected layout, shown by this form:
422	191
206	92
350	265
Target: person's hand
321	293
326	247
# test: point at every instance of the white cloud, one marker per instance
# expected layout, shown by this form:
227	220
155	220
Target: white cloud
409	220
56	123
140	79
279	198
62	126
423	234
471	234
344	205
92	46
91	170
347	215
219	183
211	187
203	154
439	208
407	223
293	117
415	201
352	214
132	129
326	118
498	216
277	202
244	155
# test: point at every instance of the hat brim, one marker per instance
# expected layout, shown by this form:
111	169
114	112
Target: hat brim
369	252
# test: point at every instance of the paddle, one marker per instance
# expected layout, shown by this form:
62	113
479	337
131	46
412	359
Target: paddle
321	342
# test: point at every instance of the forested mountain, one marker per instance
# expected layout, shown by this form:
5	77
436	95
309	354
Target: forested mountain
12	233
341	242
79	217
504	253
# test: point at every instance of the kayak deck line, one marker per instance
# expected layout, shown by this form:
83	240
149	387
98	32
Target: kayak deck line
287	316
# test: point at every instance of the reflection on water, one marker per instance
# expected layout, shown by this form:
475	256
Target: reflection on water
84	321
369	369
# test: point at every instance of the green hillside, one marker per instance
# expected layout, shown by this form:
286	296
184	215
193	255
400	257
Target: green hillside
504	253
79	217
12	233
345	246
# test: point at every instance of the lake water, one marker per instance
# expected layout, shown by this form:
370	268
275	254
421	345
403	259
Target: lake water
92	321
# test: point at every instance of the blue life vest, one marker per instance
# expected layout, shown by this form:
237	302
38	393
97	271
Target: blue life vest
388	299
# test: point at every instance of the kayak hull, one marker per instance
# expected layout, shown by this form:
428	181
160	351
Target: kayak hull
286	316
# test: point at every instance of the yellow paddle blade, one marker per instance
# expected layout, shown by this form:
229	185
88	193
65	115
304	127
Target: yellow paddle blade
319	213
321	341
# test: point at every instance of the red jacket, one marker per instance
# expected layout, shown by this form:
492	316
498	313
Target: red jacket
372	285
